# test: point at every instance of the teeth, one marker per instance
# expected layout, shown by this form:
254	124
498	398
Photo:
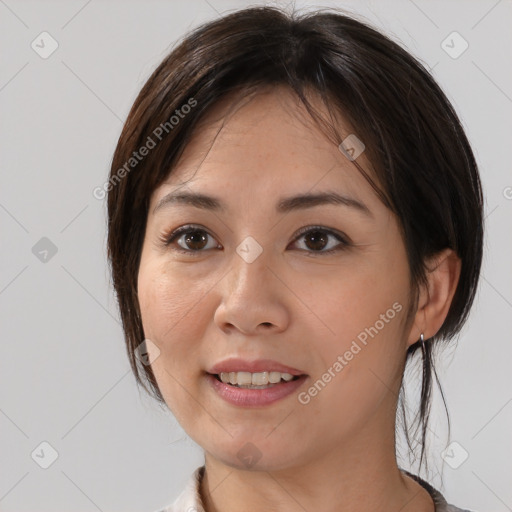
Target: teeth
254	379
244	378
274	377
260	379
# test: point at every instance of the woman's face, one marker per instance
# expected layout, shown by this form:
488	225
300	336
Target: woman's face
247	283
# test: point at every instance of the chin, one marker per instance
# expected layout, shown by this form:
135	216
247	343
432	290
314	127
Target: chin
252	454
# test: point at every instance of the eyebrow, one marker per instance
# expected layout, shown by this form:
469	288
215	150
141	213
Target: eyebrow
284	205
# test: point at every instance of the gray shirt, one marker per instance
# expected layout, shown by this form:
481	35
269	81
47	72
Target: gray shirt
190	499
439	502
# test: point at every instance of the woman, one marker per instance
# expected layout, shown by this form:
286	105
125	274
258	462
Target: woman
294	212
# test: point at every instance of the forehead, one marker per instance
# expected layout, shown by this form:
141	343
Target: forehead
265	144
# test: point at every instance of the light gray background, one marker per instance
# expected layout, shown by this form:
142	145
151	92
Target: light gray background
65	377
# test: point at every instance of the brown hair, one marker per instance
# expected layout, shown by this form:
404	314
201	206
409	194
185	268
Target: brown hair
421	158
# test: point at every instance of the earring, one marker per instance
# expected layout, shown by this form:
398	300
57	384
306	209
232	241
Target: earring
422	341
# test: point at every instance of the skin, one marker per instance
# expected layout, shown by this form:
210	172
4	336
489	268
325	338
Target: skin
292	304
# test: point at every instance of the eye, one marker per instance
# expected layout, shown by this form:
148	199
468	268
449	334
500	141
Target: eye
317	239
190	239
193	240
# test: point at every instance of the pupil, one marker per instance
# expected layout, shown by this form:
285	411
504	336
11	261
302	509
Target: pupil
315	237
194	238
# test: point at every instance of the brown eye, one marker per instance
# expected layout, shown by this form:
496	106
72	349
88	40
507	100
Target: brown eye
190	239
317	239
195	240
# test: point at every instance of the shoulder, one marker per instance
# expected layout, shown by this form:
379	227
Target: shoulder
453	508
439	500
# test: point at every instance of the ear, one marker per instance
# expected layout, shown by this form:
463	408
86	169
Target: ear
435	300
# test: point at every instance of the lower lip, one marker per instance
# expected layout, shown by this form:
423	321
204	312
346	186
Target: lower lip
244	397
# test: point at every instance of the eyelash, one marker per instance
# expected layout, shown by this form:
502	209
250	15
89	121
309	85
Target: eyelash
169	238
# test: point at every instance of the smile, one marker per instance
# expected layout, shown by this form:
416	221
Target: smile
243	394
257	380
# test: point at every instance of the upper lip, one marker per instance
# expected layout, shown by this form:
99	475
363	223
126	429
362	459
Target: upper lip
258	365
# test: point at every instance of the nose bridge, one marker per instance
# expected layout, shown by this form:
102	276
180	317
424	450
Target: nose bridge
249	267
251	295
249	301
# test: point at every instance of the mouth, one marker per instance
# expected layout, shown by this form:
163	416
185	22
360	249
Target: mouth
239	390
254	383
258	380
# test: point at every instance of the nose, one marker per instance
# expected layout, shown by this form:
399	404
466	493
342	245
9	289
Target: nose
254	299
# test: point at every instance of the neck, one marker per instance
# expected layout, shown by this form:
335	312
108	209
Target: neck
359	476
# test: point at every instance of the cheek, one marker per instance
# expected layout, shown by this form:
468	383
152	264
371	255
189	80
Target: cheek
170	309
169	302
363	312
352	302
